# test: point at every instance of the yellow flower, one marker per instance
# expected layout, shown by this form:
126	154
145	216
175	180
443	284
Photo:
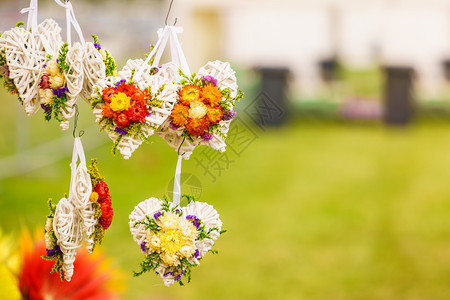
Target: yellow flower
198	110
168	221
93	197
115	73
171	259
120	102
171	241
57	81
52	68
46	96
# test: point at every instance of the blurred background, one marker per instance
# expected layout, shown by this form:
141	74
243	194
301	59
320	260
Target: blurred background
334	184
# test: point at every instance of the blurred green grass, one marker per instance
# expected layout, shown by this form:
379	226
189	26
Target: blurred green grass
313	210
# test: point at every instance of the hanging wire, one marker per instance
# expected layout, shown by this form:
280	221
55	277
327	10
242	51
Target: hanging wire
75	123
179	148
168	12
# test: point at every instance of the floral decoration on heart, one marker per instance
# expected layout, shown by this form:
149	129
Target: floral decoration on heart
204	109
84	216
130	111
174	239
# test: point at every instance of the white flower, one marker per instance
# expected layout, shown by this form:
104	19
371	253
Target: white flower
171	259
153	243
188	229
187	250
169	221
57	81
52	68
46	96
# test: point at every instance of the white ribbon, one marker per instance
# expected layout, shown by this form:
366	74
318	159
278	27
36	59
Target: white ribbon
168	33
32	16
71	21
78	152
177	183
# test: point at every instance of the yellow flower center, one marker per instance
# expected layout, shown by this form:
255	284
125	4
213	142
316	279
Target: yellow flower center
120	102
198	110
171	241
93	197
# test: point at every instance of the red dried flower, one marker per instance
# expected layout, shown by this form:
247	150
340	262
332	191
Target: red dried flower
139	97
127	89
107	214
108	112
45	81
108	93
122	120
197	127
137	113
102	190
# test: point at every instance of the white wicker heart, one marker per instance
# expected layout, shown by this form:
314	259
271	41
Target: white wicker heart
24	57
131	111
204	109
173	239
83	216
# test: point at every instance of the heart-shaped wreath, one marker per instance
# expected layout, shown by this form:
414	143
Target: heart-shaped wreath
204	109
130	111
174	239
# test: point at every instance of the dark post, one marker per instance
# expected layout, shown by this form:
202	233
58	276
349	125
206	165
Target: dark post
398	95
446	65
328	69
272	99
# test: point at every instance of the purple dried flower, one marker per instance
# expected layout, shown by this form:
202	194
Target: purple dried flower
157	215
178	277
45	108
44	66
149	113
197	253
7	71
207	136
97	46
120	82
168	273
194	219
210	79
143	246
60	92
172	126
120	130
229	115
55	250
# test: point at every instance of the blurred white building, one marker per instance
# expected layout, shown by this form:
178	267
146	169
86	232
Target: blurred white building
298	34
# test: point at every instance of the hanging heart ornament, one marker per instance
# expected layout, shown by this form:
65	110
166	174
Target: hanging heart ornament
204	109
130	111
173	239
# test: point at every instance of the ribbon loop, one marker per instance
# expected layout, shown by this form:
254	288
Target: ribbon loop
177	183
71	21
167	34
32	21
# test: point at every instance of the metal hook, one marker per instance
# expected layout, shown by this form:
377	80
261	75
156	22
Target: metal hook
168	12
184	138
75	123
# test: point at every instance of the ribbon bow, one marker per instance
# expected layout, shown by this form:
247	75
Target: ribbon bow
71	20
32	16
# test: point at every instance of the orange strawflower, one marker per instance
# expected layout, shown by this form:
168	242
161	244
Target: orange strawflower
211	94
108	112
189	93
214	115
179	115
107	94
196	127
140	96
